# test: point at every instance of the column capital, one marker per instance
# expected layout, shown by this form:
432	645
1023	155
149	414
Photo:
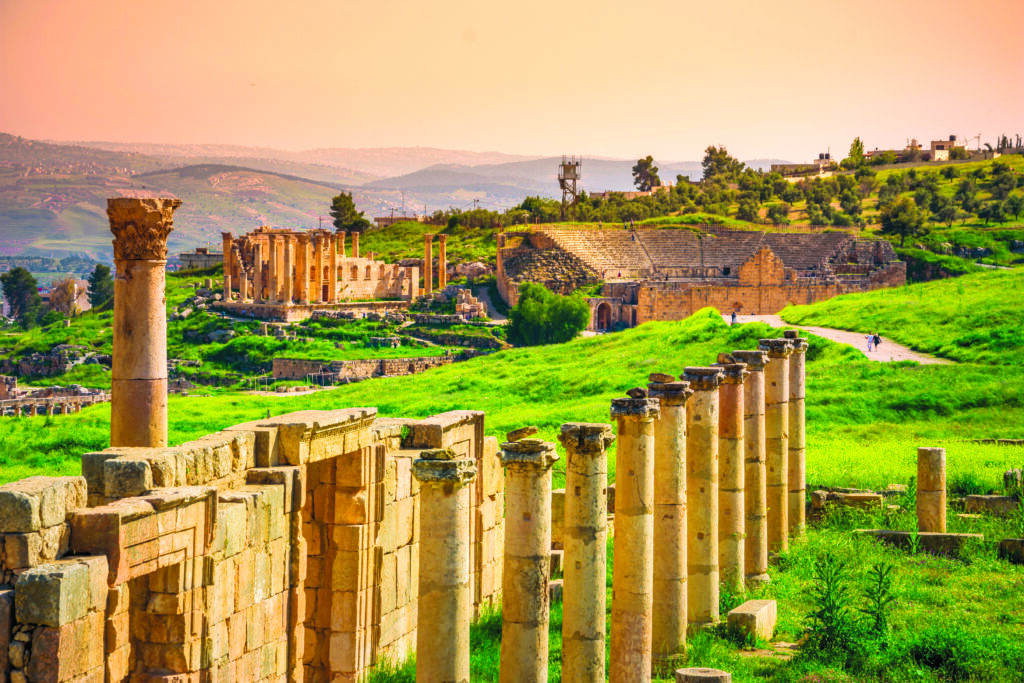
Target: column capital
735	373
533	452
640	408
303	238
428	236
754	360
441	466
586	437
141	226
670	393
799	343
442	237
703	379
776	348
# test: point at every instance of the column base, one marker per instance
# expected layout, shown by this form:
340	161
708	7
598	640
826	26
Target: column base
757	580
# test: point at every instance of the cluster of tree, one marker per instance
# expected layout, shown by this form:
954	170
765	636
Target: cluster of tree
21	292
542	317
346	217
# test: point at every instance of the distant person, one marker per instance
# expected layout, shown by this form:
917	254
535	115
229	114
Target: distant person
871	340
733	317
878	341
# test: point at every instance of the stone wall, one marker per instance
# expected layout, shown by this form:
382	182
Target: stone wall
297	368
283	549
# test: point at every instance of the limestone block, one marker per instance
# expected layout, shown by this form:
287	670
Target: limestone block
555	591
557	518
230	538
702	675
492	473
857	500
22	550
998	506
66	652
126	477
1010	549
6	622
53	594
754	617
931	542
29	504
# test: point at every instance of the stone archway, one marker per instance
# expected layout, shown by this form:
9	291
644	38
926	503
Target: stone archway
604	316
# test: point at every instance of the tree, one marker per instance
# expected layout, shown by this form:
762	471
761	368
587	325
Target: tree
993	211
949	172
346	218
959	153
63	293
856	157
101	286
903	218
779	213
645	174
22	294
1014	205
719	165
542	317
850	203
749	210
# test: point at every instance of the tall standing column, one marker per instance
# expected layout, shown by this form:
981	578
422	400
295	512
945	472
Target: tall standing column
668	631
332	274
585	539
288	293
273	283
442	266
257	272
797	439
342	236
243	277
318	275
302	269
524	591
226	236
755	493
355	245
702	495
776	418
931	489
139	368
428	263
731	476
633	573
445	605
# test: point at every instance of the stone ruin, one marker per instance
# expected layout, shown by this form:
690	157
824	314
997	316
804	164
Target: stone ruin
55	400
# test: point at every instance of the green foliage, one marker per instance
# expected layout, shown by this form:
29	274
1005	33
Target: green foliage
879	598
101	285
543	317
645	174
22	295
346	217
719	165
902	218
831	628
855	158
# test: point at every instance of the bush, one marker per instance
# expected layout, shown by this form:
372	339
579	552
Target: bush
543	317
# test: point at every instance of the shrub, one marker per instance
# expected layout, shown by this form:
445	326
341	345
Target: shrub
543	317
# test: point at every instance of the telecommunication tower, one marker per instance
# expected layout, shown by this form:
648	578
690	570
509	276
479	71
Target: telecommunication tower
568	176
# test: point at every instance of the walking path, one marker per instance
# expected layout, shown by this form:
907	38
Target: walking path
890	351
492	312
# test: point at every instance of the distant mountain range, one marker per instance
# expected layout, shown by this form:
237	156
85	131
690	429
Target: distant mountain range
53	195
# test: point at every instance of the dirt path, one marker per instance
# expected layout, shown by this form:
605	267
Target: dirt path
890	351
492	312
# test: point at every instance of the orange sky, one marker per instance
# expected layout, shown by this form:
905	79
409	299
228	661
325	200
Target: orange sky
767	78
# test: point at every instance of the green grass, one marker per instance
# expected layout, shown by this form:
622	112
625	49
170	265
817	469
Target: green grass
975	318
405	240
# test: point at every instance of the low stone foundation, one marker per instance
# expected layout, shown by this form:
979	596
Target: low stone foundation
292	313
299	369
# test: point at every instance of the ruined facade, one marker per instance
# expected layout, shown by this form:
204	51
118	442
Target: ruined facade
654	274
280	274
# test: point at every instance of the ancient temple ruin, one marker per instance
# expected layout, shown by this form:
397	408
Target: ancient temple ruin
653	274
280	274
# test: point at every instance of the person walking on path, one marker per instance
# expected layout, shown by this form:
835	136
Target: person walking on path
733	317
871	341
877	340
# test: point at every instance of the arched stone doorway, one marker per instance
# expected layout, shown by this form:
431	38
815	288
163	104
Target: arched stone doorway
604	316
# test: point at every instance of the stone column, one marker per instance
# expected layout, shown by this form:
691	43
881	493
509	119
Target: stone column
355	245
139	368
585	539
668	631
442	266
428	263
445	606
273	283
797	471
731	477
702	495
755	493
318	276
288	293
931	490
226	236
527	565
633	573
776	418
257	272
243	278
332	275
342	236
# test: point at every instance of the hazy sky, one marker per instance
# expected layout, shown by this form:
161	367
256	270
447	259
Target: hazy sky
767	78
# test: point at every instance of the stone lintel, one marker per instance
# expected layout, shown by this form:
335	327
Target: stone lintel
754	360
642	408
457	472
791	334
439	454
799	345
735	373
586	437
533	452
521	433
141	226
776	348
704	379
670	393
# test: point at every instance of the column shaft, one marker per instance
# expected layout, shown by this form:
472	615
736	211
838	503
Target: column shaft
931	489
731	477
755	493
442	267
633	573
332	275
226	236
318	270
288	293
272	270
797	439
257	273
355	245
445	604
428	263
139	364
527	563
702	495
776	414
585	540
304	264
668	631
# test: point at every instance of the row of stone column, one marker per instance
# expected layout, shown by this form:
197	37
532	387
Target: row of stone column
428	262
709	469
48	409
295	265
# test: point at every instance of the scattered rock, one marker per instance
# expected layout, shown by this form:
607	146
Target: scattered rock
521	433
660	378
637	392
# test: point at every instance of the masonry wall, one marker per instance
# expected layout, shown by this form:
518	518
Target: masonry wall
292	368
278	550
